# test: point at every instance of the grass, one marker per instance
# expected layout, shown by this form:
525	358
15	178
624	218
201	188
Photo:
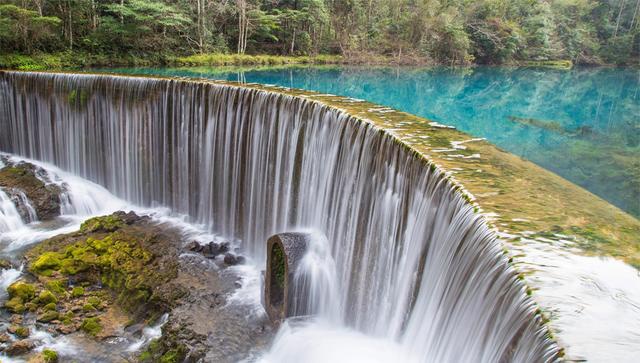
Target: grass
77	59
252	60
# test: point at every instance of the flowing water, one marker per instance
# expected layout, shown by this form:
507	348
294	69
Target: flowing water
419	273
84	199
583	123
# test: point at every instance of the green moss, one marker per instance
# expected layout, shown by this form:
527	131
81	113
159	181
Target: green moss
278	265
67	318
46	262
94	300
15	305
88	307
173	355
48	316
77	291
55	286
23	290
91	326
108	223
21	331
46	297
145	356
50	356
32	307
50	307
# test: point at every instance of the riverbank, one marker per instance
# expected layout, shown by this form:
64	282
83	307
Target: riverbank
75	60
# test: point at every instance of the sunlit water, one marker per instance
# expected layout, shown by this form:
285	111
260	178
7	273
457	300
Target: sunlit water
583	124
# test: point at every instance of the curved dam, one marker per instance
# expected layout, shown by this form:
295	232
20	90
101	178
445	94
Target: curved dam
411	262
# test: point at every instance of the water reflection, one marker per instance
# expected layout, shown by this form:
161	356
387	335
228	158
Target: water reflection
583	124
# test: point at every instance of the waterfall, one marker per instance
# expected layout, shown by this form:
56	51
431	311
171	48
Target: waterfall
415	266
9	216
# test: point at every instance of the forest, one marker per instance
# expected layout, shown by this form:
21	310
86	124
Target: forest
452	32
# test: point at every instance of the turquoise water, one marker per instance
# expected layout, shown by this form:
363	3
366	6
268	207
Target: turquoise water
583	124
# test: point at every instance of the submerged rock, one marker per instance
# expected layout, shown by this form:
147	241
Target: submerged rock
231	259
24	183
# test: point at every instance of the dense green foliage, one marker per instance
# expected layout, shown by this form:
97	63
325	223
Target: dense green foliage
444	31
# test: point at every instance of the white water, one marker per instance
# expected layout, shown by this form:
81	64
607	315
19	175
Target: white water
594	302
416	271
316	288
8	277
149	333
84	199
31	212
9	217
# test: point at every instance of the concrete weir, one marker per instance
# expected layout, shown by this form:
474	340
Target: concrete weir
284	253
410	240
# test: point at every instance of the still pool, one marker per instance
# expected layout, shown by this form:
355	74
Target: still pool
583	123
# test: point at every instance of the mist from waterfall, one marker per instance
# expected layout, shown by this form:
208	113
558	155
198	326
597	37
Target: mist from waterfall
404	267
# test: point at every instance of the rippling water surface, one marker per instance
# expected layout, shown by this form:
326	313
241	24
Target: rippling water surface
583	124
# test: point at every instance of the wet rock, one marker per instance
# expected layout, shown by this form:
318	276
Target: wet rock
5	338
225	247
5	264
19	331
231	259
67	329
194	246
25	180
130	217
16	319
46	356
20	347
47	316
135	329
211	250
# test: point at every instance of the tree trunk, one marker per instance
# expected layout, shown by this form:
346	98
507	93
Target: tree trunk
242	26
70	26
200	30
293	41
94	15
622	4
635	15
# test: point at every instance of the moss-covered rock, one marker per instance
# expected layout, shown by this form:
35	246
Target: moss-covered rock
50	356
91	326
46	297
23	177
50	307
84	280
15	305
77	291
48	316
22	290
108	223
20	331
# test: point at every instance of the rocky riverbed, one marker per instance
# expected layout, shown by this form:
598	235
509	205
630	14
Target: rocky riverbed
123	287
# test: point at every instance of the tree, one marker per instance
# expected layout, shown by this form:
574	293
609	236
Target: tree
24	30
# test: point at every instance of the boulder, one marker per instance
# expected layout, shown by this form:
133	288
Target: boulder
20	347
26	180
